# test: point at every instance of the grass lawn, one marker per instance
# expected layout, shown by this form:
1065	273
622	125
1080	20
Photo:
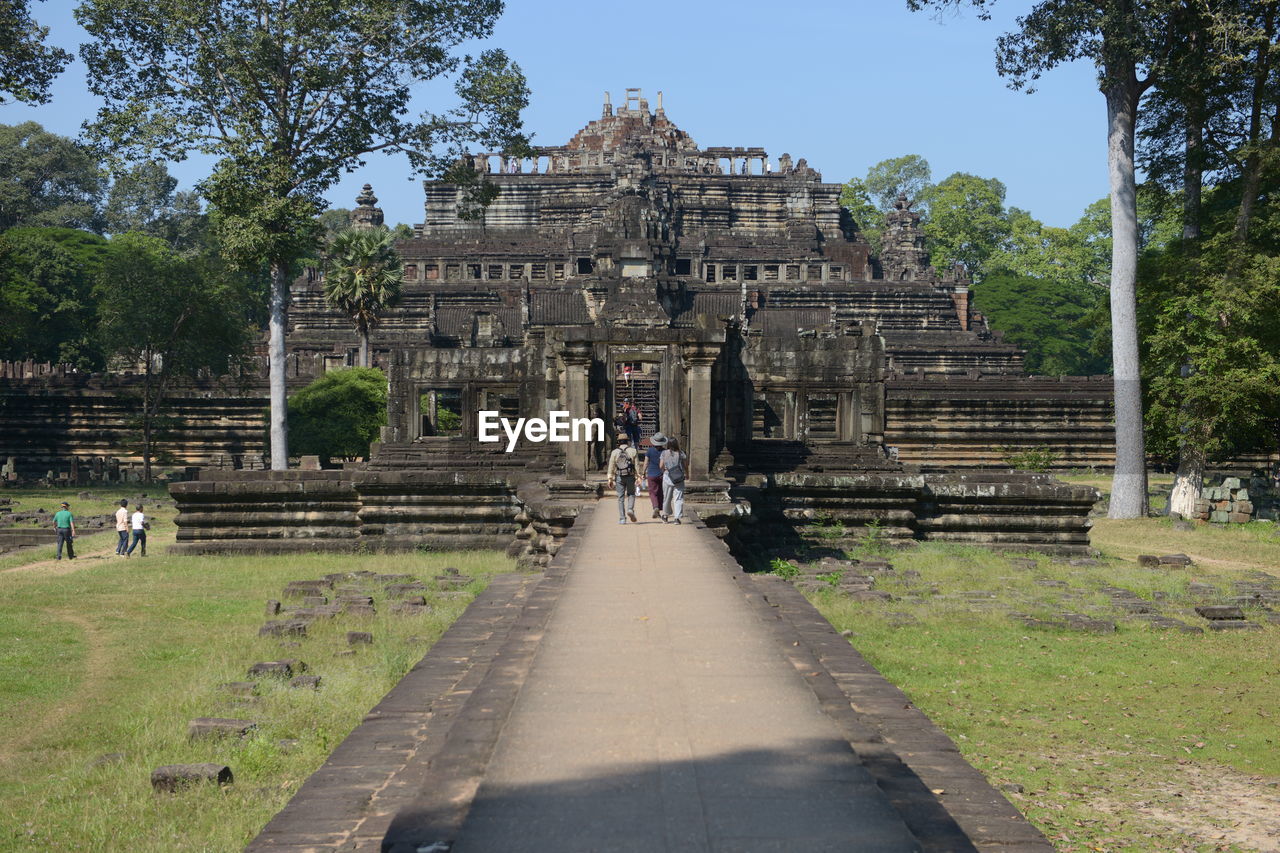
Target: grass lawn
1141	739
103	661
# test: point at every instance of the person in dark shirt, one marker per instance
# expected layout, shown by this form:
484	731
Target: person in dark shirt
653	471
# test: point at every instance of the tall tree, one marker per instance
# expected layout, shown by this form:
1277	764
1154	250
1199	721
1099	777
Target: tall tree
966	221
362	279
47	303
27	64
868	199
287	97
168	316
47	180
1128	41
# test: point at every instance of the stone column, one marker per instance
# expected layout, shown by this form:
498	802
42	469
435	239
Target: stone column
577	361
700	357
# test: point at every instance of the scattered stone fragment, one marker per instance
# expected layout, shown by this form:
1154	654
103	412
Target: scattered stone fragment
108	758
173	777
347	600
205	727
359	638
1233	625
399	589
1220	611
1012	788
1196	589
1166	623
315	601
406	608
1175	560
302	589
1084	562
1083	623
273	607
1150	561
283	628
241	688
305	681
278	668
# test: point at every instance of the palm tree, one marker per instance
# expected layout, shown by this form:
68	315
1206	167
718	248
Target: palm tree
362	278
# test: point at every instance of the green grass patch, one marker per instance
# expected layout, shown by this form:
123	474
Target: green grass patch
1106	733
117	657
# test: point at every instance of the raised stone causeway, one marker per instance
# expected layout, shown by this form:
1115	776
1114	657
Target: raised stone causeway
665	700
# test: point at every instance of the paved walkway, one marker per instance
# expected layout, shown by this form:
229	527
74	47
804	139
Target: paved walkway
661	714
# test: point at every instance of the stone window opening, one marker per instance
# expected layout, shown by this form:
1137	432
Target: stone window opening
771	272
751	272
441	410
585	266
793	272
836	273
558	272
515	271
684	266
814	273
495	272
538	271
474	272
729	272
410	272
431	272
711	273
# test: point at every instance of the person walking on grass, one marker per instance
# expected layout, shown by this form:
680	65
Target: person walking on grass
122	528
673	463
65	524
622	476
139	523
653	471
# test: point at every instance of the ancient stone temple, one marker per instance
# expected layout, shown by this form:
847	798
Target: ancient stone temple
731	297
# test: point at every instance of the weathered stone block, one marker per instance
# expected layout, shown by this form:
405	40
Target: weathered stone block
1149	561
359	610
284	628
1175	560
273	607
1220	611
213	727
1239	517
407	608
311	682
359	638
1232	625
173	777
315	601
277	668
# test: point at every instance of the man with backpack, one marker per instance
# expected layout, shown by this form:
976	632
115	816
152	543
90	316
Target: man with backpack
622	476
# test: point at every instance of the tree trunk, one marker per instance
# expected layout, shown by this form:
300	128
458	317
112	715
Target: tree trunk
364	348
1187	482
146	420
1129	483
1192	170
276	323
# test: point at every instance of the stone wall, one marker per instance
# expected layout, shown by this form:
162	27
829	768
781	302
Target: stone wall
969	420
1233	500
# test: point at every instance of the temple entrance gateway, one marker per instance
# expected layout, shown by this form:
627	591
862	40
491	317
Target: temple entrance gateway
639	382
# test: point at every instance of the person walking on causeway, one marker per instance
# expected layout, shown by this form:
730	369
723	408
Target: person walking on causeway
653	471
673	463
622	476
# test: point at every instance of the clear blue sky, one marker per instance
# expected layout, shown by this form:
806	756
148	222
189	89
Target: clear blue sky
843	83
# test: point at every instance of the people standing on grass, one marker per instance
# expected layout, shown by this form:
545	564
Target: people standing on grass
139	523
673	462
122	528
65	524
653	471
622	476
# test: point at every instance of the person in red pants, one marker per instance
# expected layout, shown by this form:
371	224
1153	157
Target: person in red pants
652	471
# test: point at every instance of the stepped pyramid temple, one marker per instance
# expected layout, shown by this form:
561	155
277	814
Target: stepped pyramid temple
724	290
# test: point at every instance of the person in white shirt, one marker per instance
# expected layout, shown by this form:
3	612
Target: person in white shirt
138	522
122	528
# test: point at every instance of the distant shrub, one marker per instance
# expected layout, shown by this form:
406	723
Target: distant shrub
1035	459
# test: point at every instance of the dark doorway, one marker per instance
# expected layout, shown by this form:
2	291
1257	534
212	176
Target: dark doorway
638	381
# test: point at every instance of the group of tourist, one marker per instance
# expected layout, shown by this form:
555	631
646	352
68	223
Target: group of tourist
664	474
64	524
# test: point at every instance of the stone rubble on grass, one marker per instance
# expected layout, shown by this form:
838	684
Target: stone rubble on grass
278	668
173	777
213	727
359	638
305	681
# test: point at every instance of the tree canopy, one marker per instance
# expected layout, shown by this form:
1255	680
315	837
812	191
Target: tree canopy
27	64
48	180
339	414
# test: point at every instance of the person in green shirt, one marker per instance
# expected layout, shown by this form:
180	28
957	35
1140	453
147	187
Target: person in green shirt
66	527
